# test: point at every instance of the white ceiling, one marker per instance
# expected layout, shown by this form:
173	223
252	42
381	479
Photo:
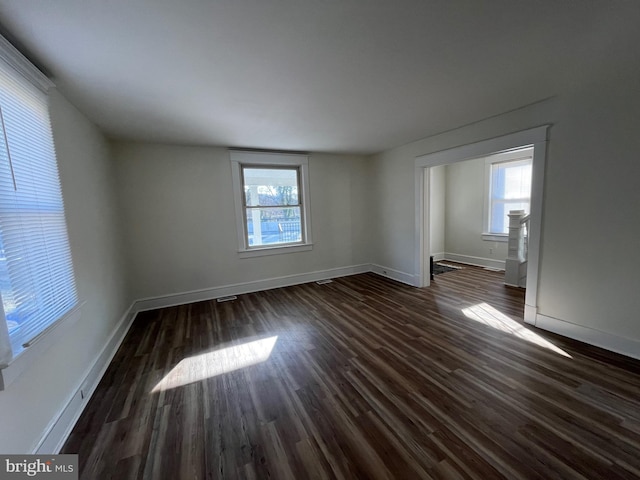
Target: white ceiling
319	75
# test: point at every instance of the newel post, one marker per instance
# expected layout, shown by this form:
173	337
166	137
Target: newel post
515	255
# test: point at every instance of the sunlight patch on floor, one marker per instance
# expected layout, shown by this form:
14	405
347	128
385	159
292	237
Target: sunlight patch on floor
485	313
218	362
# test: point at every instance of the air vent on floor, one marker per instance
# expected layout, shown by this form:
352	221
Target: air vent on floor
323	282
226	299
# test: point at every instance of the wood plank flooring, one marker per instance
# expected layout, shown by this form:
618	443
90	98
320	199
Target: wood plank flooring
367	379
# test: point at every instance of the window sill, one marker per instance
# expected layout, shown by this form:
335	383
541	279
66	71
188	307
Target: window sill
495	237
30	355
280	249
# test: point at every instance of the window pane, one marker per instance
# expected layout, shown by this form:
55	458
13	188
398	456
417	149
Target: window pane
499	219
517	181
510	190
270	226
500	215
270	186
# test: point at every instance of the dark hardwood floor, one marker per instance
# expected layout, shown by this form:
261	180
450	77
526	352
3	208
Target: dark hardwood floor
367	378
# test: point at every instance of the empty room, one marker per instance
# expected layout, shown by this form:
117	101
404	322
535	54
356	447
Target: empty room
219	222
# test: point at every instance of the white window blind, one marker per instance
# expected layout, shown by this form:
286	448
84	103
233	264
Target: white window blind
36	274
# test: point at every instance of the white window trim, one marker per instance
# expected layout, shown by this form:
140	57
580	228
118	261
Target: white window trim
53	334
10	55
503	157
239	158
495	237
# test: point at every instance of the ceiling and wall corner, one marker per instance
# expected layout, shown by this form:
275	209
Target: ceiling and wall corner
354	76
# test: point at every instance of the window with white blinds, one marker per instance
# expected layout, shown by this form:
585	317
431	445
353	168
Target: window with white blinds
36	274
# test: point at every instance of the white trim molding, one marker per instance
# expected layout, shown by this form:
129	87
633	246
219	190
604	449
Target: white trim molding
608	341
475	261
263	252
484	148
10	55
63	422
396	275
174	299
530	313
239	158
495	237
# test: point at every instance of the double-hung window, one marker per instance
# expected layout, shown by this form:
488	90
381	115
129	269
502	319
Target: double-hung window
508	177
37	285
272	202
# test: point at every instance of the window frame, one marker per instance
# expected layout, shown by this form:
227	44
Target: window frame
241	159
512	156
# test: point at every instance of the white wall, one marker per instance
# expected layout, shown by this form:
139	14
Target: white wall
590	228
437	210
392	177
180	227
465	198
33	401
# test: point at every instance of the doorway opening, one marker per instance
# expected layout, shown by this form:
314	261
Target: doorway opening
471	219
425	167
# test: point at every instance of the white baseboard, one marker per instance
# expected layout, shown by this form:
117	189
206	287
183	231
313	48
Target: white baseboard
530	314
397	275
60	427
438	256
172	300
475	261
598	338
